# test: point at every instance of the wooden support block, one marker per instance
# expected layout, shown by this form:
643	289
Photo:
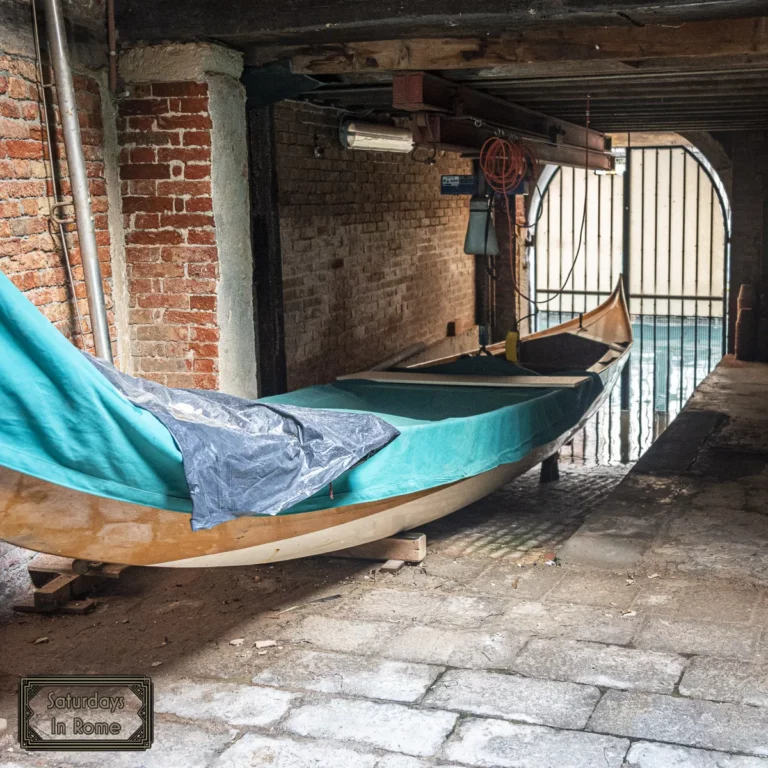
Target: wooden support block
392	566
408	547
61	584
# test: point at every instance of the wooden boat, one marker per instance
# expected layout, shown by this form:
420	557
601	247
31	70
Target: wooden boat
49	518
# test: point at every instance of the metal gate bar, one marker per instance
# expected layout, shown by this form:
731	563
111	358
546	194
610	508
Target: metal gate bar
678	328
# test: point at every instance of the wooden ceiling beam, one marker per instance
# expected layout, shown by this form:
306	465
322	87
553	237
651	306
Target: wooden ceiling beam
697	39
422	92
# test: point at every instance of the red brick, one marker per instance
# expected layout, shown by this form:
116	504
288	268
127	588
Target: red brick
190	105
204	334
30	110
9	210
147	221
203	365
197	139
205	381
197	171
177	317
158	237
144	107
192	188
162	269
10	109
145	171
22	149
150	138
204	350
184	154
185	122
22	90
141	124
162	333
147	204
203	270
173	285
186	220
163	301
190	254
202	302
201	237
199	205
143	154
180	89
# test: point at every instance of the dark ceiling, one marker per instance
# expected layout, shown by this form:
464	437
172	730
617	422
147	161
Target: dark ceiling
626	99
717	80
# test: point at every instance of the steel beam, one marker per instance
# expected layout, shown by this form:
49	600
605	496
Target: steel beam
435	131
422	92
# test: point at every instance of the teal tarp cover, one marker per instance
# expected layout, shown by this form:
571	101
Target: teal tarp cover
62	421
446	433
81	428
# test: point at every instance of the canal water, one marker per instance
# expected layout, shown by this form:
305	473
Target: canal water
669	359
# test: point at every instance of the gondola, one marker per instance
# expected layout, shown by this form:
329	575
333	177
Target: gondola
468	425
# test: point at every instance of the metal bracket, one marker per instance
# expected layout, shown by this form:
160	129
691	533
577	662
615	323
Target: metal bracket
58	220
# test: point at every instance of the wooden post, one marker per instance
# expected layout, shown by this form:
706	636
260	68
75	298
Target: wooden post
550	469
267	257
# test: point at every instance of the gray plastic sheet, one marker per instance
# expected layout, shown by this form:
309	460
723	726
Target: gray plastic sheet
246	457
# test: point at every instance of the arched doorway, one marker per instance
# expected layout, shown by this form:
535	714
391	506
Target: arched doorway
663	223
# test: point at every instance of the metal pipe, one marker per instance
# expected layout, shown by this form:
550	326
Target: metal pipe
112	45
78	178
45	117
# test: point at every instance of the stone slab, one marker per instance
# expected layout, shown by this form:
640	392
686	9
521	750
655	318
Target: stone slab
343	635
646	755
604	665
603	551
455	648
388	726
595	588
422	607
698	601
223	702
726	680
349	675
579	622
542	702
688	722
698	637
511	745
267	752
506	581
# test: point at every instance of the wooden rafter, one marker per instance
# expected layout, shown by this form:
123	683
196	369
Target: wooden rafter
700	39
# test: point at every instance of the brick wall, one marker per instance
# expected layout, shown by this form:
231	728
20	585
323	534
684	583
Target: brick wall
372	254
171	255
30	251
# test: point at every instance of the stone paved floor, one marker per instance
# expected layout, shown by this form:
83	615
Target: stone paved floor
646	648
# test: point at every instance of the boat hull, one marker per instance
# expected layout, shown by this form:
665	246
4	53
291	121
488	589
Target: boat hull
49	518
